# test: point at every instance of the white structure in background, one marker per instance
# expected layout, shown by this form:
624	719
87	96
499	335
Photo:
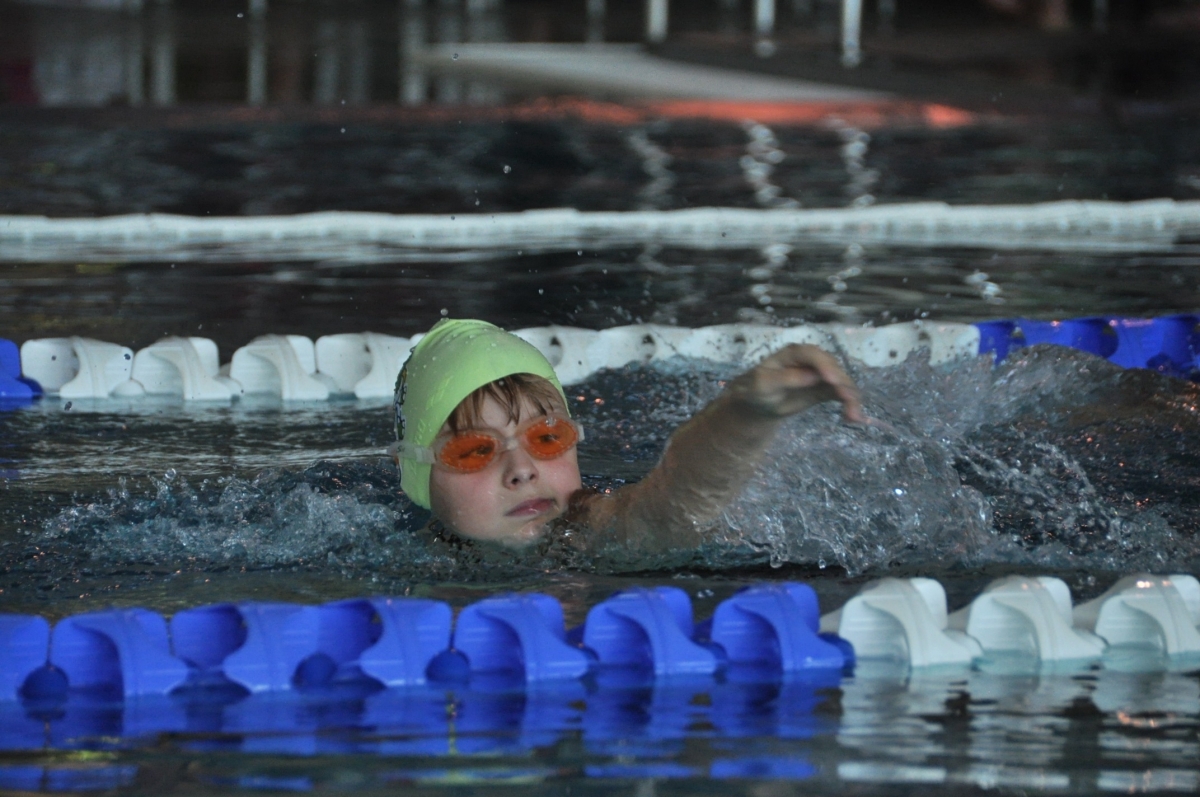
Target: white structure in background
87	54
92	52
364	364
902	619
256	54
1029	616
280	365
78	368
184	367
1149	612
342	69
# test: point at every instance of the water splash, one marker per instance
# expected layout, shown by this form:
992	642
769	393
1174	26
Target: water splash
1054	459
342	515
976	466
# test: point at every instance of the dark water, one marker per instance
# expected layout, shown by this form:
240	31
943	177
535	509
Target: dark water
231	304
1054	462
1055	459
459	166
391	161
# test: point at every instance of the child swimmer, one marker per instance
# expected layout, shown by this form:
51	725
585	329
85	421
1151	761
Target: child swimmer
487	443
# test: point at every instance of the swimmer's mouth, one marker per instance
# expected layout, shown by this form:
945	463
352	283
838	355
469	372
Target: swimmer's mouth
533	508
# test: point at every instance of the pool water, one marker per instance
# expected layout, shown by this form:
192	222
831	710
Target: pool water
1053	462
484	161
1037	475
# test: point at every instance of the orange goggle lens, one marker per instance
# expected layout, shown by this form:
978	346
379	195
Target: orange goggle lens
472	451
549	438
468	452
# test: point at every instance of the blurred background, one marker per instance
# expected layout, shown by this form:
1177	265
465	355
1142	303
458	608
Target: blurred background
1052	54
233	108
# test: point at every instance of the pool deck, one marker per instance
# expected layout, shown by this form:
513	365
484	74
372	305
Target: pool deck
625	72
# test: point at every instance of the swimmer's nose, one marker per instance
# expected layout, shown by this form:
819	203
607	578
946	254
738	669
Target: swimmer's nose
519	467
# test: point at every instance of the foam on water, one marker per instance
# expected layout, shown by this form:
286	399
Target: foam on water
1054	459
975	465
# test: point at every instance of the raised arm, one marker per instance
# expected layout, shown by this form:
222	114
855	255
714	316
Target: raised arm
709	459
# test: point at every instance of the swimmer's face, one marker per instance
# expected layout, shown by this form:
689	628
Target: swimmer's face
514	498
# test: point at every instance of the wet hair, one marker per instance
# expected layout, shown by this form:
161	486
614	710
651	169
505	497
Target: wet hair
510	393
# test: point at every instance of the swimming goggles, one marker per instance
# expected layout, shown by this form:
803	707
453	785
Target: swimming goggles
471	450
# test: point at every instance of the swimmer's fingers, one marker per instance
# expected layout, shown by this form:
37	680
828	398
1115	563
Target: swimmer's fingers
843	387
795	378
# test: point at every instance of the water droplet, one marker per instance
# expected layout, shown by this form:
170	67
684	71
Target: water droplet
444	312
579	252
898	491
343	130
540	291
507	169
821	563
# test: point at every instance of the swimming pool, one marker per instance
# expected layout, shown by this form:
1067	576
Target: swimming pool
1052	463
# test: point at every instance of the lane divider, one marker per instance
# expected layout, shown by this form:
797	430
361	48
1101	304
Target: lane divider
1169	345
358	237
364	365
772	629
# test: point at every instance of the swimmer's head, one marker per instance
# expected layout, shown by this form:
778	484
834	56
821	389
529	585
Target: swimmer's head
470	375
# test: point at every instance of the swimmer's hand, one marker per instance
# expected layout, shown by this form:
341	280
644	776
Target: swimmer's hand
795	378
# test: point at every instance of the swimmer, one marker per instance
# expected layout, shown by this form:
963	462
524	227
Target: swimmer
486	442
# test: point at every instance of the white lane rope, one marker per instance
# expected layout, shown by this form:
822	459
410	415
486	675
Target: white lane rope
341	237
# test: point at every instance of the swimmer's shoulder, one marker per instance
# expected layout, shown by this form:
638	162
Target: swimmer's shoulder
588	507
595	514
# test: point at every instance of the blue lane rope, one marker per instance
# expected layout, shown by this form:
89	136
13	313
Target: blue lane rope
277	676
769	630
261	647
13	387
1169	345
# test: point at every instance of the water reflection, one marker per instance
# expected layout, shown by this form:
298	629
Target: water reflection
1041	732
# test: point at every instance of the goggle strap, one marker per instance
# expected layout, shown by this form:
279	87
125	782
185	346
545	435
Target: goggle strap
422	455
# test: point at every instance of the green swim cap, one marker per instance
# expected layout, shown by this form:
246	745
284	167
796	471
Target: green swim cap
452	361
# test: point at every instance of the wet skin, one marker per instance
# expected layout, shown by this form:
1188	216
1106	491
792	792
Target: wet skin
513	499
